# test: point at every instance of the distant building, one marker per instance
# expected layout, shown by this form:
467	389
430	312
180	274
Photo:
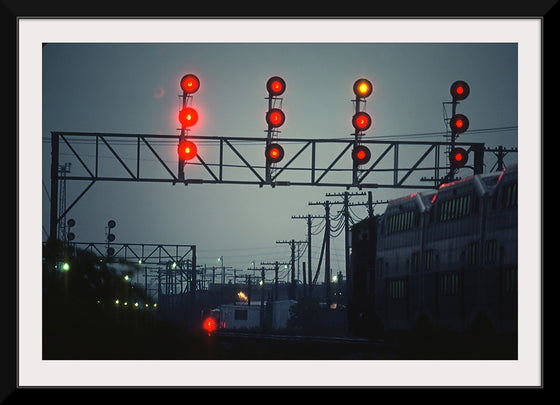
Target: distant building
249	316
240	316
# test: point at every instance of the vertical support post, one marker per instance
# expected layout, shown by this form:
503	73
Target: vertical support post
479	158
249	290
309	251
276	281
304	281
268	175
53	232
348	271
181	162
193	276
328	255
453	136
396	164
500	158
293	279
262	299
354	165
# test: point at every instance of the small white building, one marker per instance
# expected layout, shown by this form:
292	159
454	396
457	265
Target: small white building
240	316
248	316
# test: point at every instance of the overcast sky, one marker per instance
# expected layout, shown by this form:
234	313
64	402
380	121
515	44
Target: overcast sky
134	88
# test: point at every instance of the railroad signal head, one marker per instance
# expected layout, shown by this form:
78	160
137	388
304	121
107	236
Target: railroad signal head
188	117
209	325
275	86
459	90
186	150
274	153
361	121
190	83
70	235
362	88
458	157
361	155
275	117
459	123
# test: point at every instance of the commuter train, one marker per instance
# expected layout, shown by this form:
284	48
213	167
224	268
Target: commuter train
443	259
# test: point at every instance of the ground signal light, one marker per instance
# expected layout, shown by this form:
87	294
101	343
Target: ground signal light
459	123
362	88
274	153
459	90
190	83
458	158
186	150
188	117
361	121
209	325
361	155
275	86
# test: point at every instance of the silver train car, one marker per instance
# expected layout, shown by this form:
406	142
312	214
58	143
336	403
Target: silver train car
444	259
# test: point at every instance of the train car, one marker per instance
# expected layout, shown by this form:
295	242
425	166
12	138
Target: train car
445	259
454	243
362	316
400	241
500	254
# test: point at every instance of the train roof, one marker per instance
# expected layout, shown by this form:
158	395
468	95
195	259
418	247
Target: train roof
419	201
482	184
509	173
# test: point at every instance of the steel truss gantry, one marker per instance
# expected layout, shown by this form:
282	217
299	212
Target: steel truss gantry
240	160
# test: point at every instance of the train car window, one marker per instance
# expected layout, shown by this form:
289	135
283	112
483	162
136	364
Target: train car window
415	262
456	208
511	280
490	251
428	256
509	195
472	253
401	222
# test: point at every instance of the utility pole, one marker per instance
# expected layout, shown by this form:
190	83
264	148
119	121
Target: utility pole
263	269
275	264
327	245
346	203
292	243
309	217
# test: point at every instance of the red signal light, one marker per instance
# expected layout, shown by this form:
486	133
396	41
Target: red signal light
275	117
361	121
188	117
361	155
459	90
459	123
190	83
209	325
362	88
186	150
275	86
458	157
274	153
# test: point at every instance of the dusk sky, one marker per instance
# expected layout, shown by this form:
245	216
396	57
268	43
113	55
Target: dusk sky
134	88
